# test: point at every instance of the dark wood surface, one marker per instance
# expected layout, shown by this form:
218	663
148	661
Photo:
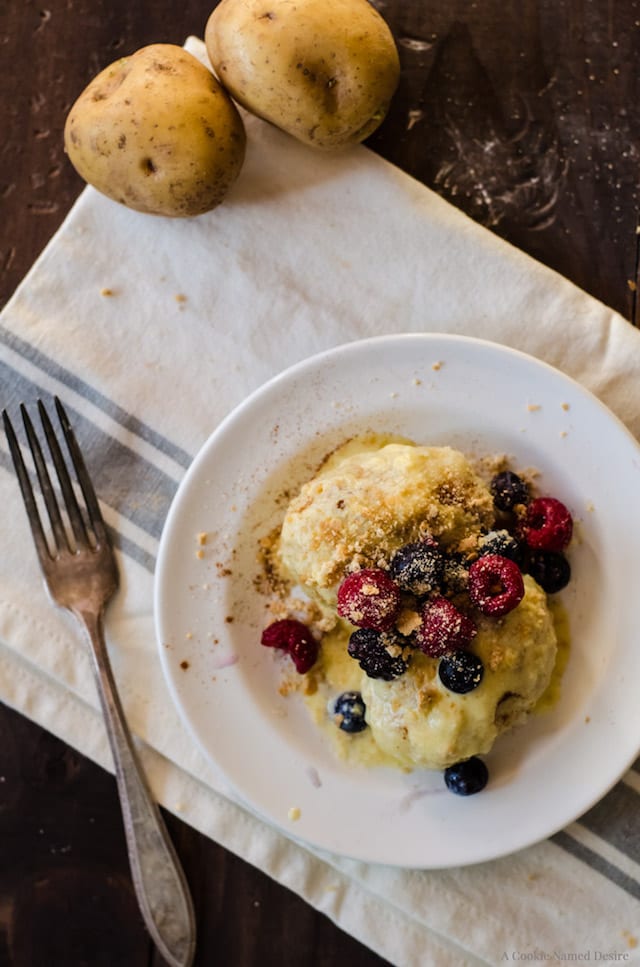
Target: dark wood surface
523	113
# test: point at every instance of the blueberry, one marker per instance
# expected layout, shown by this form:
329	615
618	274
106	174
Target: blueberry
418	567
349	709
455	574
467	777
503	543
508	490
550	569
378	653
461	671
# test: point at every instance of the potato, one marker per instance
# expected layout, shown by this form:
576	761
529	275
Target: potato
323	70
156	132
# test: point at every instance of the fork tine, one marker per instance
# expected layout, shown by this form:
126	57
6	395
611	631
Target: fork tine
50	500
26	489
71	503
93	508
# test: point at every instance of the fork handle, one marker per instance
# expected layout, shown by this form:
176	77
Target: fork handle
158	879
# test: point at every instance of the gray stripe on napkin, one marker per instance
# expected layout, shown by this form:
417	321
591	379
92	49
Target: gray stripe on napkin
615	819
125	544
596	862
133	550
115	412
123	479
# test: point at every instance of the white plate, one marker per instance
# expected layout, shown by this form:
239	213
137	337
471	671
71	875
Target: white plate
435	389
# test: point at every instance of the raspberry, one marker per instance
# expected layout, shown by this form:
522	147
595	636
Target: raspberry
349	710
378	652
304	653
550	569
444	628
461	672
509	490
294	638
369	599
418	567
495	584
466	778
547	525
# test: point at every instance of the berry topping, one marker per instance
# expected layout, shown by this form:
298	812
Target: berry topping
461	672
509	490
379	653
503	543
444	629
467	777
349	710
369	599
418	567
455	575
547	525
304	653
294	638
495	584
550	569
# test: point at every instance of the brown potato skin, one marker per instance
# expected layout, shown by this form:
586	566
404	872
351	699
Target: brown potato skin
322	70
157	132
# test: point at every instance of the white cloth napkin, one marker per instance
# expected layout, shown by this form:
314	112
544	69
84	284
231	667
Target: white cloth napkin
151	330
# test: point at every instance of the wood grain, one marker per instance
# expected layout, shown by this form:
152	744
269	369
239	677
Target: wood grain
66	898
524	114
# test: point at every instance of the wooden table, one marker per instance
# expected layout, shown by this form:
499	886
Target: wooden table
524	113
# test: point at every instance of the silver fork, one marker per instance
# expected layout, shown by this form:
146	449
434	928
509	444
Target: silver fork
81	575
